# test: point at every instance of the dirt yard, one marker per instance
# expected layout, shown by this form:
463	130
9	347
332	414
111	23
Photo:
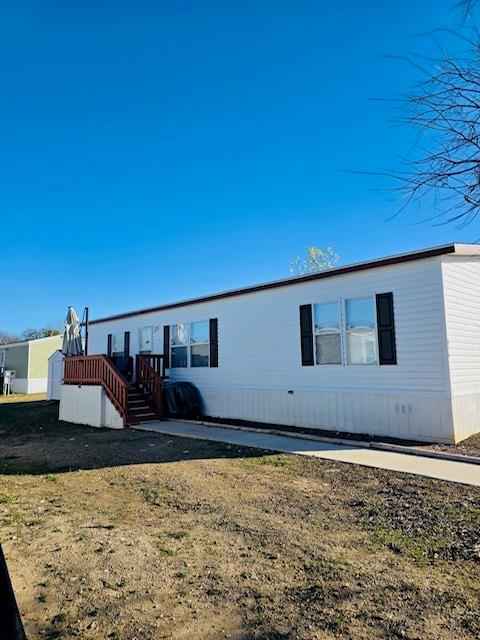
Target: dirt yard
133	535
468	447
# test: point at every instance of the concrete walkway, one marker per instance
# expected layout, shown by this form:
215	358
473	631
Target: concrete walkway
442	469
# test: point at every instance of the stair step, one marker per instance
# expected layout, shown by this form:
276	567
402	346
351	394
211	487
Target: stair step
139	407
144	415
146	418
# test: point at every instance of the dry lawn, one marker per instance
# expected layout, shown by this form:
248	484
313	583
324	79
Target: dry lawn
135	535
22	397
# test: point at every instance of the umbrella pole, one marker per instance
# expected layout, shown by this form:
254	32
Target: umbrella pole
86	331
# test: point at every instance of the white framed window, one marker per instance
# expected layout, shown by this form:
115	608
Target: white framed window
179	340
118	344
199	344
190	344
145	339
361	330
327	333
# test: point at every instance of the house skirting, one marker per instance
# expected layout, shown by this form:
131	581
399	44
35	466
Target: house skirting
466	415
89	405
428	418
413	417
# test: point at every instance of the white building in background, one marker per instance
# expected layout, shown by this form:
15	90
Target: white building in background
27	360
388	347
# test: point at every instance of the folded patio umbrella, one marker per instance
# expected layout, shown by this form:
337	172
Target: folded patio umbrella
72	338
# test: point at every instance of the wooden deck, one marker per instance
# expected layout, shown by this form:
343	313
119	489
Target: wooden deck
138	402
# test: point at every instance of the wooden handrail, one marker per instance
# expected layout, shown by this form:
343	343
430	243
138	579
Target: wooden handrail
156	361
149	376
99	370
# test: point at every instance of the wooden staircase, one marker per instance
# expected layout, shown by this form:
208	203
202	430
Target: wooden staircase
136	403
139	407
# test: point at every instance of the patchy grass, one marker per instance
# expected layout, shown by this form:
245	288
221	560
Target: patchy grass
177	535
51	477
419	549
407	521
121	534
268	460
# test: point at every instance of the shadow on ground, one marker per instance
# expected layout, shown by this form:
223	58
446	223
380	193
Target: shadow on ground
34	441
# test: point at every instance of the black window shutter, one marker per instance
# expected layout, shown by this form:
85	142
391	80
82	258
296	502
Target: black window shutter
214	342
306	335
387	349
126	344
166	346
109	344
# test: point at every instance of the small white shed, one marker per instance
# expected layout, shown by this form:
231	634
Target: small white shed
55	375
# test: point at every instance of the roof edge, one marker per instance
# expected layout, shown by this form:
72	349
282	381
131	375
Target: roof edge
460	249
18	343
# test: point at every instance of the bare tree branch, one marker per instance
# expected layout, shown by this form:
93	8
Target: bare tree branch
7	338
465	7
445	106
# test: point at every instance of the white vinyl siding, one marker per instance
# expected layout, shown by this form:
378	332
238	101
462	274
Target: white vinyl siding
261	360
461	278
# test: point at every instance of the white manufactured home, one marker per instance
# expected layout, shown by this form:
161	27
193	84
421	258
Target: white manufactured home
388	347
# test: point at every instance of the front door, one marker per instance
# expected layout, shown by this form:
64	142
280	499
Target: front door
145	340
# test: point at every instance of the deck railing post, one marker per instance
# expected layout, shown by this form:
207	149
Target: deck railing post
149	376
98	370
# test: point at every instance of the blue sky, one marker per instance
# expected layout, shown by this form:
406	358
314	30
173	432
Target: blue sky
152	151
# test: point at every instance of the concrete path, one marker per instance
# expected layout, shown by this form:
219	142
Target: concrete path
442	469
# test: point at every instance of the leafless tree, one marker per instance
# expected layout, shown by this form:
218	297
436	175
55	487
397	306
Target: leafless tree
7	338
35	334
445	107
